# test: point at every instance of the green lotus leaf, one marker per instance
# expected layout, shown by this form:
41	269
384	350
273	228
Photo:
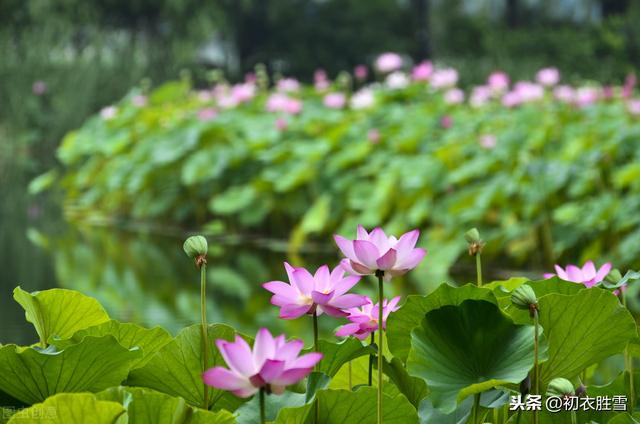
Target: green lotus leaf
176	369
582	329
72	408
59	312
410	316
413	388
149	406
128	335
335	355
467	349
343	406
31	374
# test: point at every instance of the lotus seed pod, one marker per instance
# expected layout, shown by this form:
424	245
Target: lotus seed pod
195	246
524	296
560	387
614	276
472	236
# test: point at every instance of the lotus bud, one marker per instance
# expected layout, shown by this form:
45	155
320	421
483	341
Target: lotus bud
614	276
560	387
581	390
475	243
196	247
525	297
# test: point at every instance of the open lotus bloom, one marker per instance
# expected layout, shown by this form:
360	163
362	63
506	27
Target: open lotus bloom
587	275
364	320
375	251
273	363
323	292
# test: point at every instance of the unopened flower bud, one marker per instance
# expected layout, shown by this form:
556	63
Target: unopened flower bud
524	296
560	387
475	243
614	276
196	247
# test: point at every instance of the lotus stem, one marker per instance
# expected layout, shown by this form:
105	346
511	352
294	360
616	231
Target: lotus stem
316	404
628	362
536	370
205	335
380	275
373	341
479	269
262	414
476	407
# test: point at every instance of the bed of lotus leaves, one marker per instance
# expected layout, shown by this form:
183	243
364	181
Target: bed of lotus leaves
538	174
443	349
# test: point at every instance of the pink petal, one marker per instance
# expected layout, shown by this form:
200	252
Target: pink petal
367	253
264	347
412	259
347	330
345	246
321	298
334	312
561	273
391	307
603	272
290	270
281	301
348	301
237	355
406	243
308	360
271	369
575	274
291	376
281	288
345	284
361	269
245	393
588	270
222	378
290	350
362	234
293	311
388	260
547	275
379	239
303	280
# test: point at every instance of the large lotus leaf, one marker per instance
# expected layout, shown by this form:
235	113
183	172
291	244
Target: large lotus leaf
410	316
31	374
59	312
343	406
176	369
72	408
249	413
128	335
146	406
413	388
358	375
335	355
469	348
582	329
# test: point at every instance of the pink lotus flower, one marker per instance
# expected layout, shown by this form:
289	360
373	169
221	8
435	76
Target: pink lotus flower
281	124
586	96
323	292
278	102
39	88
242	93
444	78
373	135
634	107
629	84
488	141
498	81
204	95
446	122
586	275
139	100
529	91
273	363
108	113
321	82
454	96
361	72
564	93
548	76
397	80
422	71
375	251
364	320
362	99
511	99
480	95
334	100
288	85
388	62
207	114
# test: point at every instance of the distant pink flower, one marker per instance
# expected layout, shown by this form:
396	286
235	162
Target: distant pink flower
108	113
361	72
511	99
334	100
250	78
204	95
548	76
529	91
388	62
362	99
607	92
480	95
444	78
422	71
587	275
39	88
446	122
207	114
488	141
634	107
242	93
139	100
273	363
375	251
586	96
397	80
226	101
364	320
320	80
498	81
279	102
373	135
293	106
322	292
288	85
564	93
629	84
454	96
281	124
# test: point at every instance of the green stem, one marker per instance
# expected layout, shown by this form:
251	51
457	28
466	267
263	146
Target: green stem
205	335
380	275
373	340
263	419
476	407
505	413
316	403
628	362
479	269
536	375
574	419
